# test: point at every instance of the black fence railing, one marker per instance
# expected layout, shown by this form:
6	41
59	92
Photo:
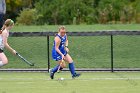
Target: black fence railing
82	33
118	53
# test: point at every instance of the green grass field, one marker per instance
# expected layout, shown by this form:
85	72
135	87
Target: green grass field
71	28
97	82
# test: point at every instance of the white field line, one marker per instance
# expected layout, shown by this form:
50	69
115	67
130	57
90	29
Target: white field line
27	79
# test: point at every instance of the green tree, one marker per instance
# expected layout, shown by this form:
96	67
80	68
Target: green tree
63	11
77	11
136	6
109	10
15	6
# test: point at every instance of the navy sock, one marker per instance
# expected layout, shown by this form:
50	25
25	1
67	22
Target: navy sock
55	69
72	68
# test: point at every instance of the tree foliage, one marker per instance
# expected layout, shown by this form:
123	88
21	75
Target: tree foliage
78	11
88	11
64	11
13	7
27	17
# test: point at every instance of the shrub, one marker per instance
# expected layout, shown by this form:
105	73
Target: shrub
27	17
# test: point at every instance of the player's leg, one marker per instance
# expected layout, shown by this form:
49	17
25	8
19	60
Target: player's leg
59	66
62	65
71	66
56	68
3	59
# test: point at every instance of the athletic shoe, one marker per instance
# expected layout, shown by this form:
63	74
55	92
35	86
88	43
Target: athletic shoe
75	75
51	74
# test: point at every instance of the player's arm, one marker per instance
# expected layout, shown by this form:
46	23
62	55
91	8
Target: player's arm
7	46
57	43
66	45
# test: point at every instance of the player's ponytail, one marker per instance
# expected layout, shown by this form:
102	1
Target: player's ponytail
3	27
0	31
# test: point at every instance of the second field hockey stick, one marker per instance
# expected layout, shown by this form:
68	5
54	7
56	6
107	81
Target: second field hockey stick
24	60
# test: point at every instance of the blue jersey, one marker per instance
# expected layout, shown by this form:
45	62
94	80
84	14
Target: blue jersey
55	55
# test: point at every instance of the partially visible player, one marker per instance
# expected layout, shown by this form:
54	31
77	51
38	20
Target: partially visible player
2	12
4	33
60	53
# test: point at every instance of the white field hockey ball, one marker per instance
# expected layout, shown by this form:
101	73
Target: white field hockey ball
61	78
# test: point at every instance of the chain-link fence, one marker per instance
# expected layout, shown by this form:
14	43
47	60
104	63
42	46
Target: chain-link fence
91	51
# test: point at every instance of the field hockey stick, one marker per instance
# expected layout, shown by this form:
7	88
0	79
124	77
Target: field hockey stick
24	60
60	66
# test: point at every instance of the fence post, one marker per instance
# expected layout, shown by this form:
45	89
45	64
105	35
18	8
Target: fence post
48	51
112	70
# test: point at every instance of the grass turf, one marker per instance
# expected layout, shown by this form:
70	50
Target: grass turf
99	82
78	28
